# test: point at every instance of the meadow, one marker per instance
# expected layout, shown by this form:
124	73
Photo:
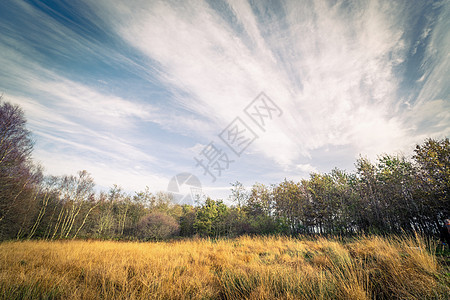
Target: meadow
242	268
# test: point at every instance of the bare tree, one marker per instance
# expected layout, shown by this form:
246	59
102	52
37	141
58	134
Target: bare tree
18	176
73	193
239	194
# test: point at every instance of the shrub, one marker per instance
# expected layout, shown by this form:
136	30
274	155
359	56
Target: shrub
157	226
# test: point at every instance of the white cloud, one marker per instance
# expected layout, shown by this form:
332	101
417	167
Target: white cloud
331	67
437	63
105	173
306	168
343	62
84	102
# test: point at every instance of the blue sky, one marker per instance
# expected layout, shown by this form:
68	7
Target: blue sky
133	91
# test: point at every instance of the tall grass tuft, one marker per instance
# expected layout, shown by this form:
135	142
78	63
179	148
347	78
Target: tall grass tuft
242	268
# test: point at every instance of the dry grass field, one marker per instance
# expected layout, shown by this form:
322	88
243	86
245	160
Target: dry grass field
242	268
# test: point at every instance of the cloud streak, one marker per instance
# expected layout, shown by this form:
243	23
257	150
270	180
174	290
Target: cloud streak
143	83
331	67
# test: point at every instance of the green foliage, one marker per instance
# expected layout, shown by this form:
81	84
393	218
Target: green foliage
210	220
187	220
433	163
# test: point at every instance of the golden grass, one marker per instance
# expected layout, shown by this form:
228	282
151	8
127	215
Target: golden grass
242	268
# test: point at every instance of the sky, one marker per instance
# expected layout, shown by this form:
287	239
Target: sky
137	92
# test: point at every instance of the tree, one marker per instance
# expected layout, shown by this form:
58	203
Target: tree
291	205
187	220
260	210
346	198
16	144
121	203
395	180
238	194
145	198
433	162
211	218
259	201
371	205
19	177
73	194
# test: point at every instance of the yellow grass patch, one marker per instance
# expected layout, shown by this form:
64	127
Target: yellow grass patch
242	268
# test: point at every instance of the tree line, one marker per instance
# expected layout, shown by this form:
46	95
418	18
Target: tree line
394	194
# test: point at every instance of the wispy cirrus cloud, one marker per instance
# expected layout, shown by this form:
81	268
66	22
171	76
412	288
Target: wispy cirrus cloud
333	68
143	84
